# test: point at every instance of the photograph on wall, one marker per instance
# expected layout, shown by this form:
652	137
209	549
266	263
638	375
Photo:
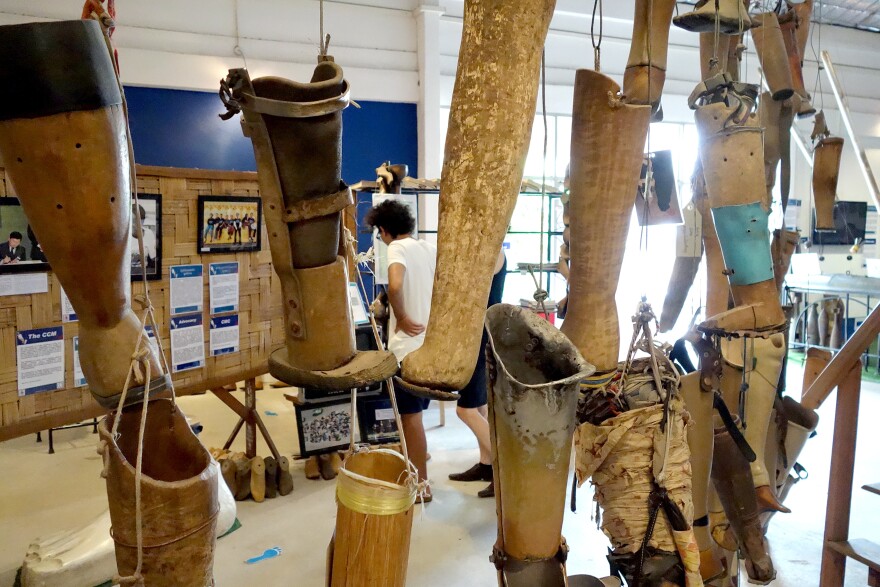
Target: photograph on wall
149	209
323	427
229	224
20	251
660	205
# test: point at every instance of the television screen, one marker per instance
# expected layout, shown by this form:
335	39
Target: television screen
849	224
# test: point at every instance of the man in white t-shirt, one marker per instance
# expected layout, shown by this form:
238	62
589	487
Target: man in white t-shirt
411	266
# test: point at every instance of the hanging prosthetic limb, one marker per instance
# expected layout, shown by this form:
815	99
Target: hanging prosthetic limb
63	136
827	151
534	373
645	71
604	178
788	24
782	247
490	122
731	16
296	131
803	13
770	47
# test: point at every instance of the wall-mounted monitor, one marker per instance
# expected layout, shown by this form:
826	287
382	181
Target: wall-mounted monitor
850	219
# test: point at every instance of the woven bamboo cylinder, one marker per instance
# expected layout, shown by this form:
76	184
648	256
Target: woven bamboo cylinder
373	521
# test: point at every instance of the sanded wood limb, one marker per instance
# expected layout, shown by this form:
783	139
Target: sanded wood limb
833	374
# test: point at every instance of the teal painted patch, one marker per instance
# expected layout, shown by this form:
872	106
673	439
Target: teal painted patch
745	242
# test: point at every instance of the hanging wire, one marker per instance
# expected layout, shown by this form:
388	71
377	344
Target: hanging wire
237	50
540	293
597	45
323	42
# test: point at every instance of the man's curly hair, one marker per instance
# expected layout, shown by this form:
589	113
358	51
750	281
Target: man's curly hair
393	216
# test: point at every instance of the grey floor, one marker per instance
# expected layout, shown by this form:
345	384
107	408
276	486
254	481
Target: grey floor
452	537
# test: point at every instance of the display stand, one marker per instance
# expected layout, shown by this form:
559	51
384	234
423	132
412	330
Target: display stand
93	424
248	417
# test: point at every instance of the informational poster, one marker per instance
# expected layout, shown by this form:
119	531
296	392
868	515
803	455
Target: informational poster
78	378
358	310
224	335
24	283
40	354
223	281
186	289
187	342
67	312
380	249
151	336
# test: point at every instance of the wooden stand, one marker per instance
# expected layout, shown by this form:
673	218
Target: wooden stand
248	415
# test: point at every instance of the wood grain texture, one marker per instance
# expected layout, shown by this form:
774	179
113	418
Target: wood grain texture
260	313
490	123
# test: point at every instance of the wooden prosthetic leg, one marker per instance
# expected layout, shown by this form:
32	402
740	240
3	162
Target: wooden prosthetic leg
770	46
826	170
782	247
490	122
296	131
731	16
604	177
645	71
534	372
178	496
803	12
64	141
788	24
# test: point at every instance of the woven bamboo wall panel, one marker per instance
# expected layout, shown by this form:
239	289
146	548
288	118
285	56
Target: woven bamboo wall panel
260	312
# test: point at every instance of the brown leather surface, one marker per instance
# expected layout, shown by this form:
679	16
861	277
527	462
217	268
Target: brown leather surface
490	123
178	496
604	178
71	174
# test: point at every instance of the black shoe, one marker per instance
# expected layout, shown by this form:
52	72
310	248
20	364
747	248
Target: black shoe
478	472
488	491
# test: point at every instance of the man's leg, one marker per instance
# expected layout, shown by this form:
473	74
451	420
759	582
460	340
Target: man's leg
416	443
478	424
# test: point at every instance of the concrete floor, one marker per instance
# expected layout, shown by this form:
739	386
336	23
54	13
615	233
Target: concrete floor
452	537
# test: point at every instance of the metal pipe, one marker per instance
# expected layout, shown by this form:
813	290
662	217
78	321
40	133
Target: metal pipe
843	105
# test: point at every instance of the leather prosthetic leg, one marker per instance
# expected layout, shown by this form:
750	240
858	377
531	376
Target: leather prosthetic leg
296	131
770	47
645	71
826	169
63	138
490	122
699	404
731	16
733	484
604	178
178	496
534	373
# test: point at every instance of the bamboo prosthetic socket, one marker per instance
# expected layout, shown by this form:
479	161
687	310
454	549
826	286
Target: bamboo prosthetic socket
731	16
490	121
645	71
770	47
296	131
827	151
534	373
604	177
63	136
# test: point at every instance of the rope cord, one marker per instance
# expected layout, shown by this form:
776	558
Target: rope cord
236	49
323	42
597	45
540	293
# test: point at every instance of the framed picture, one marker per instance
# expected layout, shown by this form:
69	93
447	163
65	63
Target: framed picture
657	203
20	251
149	208
376	418
323	427
229	224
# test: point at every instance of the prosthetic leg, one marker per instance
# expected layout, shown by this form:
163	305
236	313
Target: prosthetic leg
604	178
782	247
789	24
826	169
803	13
534	372
645	71
733	484
178	496
63	138
493	107
296	131
770	47
731	16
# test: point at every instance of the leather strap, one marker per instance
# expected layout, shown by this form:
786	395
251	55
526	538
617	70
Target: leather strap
287	109
317	207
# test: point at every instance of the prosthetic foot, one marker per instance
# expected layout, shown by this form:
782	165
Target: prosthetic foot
604	178
733	484
64	141
770	47
534	372
490	121
645	71
826	169
178	496
296	131
731	16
